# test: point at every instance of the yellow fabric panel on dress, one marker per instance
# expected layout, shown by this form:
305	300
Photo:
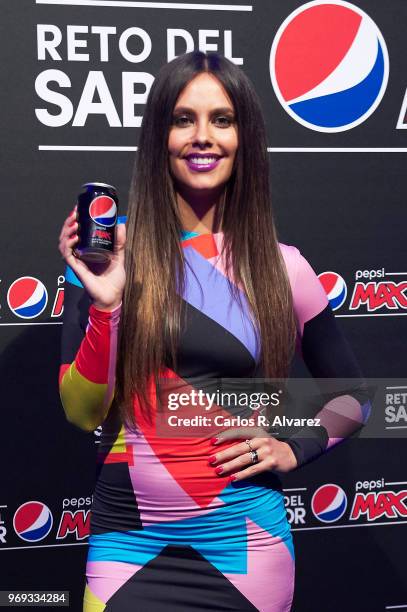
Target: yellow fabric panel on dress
119	445
84	401
91	603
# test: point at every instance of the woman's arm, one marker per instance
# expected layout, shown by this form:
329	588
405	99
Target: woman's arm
88	356
327	354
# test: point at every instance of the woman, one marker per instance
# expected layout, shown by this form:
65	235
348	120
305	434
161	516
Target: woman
195	523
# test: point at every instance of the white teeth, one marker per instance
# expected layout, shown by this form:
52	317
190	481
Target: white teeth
202	160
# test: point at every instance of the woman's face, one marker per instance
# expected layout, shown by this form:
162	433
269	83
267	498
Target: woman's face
203	137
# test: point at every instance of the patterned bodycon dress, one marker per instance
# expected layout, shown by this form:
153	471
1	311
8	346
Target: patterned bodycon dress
166	532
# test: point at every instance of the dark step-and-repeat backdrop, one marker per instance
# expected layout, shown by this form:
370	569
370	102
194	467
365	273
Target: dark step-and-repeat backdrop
332	78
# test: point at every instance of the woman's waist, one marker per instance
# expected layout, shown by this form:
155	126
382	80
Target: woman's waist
159	496
247	508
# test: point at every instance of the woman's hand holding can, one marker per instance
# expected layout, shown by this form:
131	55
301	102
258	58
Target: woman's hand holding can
103	282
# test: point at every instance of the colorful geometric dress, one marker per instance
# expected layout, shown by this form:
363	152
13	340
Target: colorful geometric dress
168	533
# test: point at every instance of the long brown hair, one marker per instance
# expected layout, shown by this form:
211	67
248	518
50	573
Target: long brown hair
154	261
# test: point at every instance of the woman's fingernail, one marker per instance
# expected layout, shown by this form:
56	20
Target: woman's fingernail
232	478
212	459
214	440
219	469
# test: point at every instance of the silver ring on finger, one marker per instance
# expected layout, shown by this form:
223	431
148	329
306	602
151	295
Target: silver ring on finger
250	444
254	456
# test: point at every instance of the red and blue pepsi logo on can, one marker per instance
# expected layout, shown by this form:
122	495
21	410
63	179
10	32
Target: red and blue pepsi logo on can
103	211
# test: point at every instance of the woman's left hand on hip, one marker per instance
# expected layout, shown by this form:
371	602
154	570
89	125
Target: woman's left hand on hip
236	460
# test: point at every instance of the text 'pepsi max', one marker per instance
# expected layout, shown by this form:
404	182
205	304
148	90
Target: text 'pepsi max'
97	217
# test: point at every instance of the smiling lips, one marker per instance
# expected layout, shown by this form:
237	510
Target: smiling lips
200	163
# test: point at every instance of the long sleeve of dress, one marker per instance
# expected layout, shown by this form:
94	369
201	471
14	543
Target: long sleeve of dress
88	356
327	354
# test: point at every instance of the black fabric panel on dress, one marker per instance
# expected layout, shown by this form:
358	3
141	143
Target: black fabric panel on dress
114	506
206	347
208	354
110	430
308	445
327	354
179	579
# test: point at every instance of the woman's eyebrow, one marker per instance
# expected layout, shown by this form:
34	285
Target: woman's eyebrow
187	109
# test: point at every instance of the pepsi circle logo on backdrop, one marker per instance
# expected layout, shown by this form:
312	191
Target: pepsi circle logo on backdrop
27	297
329	503
32	521
103	211
329	65
335	288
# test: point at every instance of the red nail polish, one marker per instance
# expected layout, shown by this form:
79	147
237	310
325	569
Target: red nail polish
212	459
214	440
232	478
219	469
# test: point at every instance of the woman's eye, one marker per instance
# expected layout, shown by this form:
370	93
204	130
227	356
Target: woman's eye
184	120
224	121
181	120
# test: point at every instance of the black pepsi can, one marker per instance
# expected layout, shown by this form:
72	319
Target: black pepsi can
97	216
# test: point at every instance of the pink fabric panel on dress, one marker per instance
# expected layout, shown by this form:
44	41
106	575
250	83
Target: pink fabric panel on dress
106	577
308	293
269	581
